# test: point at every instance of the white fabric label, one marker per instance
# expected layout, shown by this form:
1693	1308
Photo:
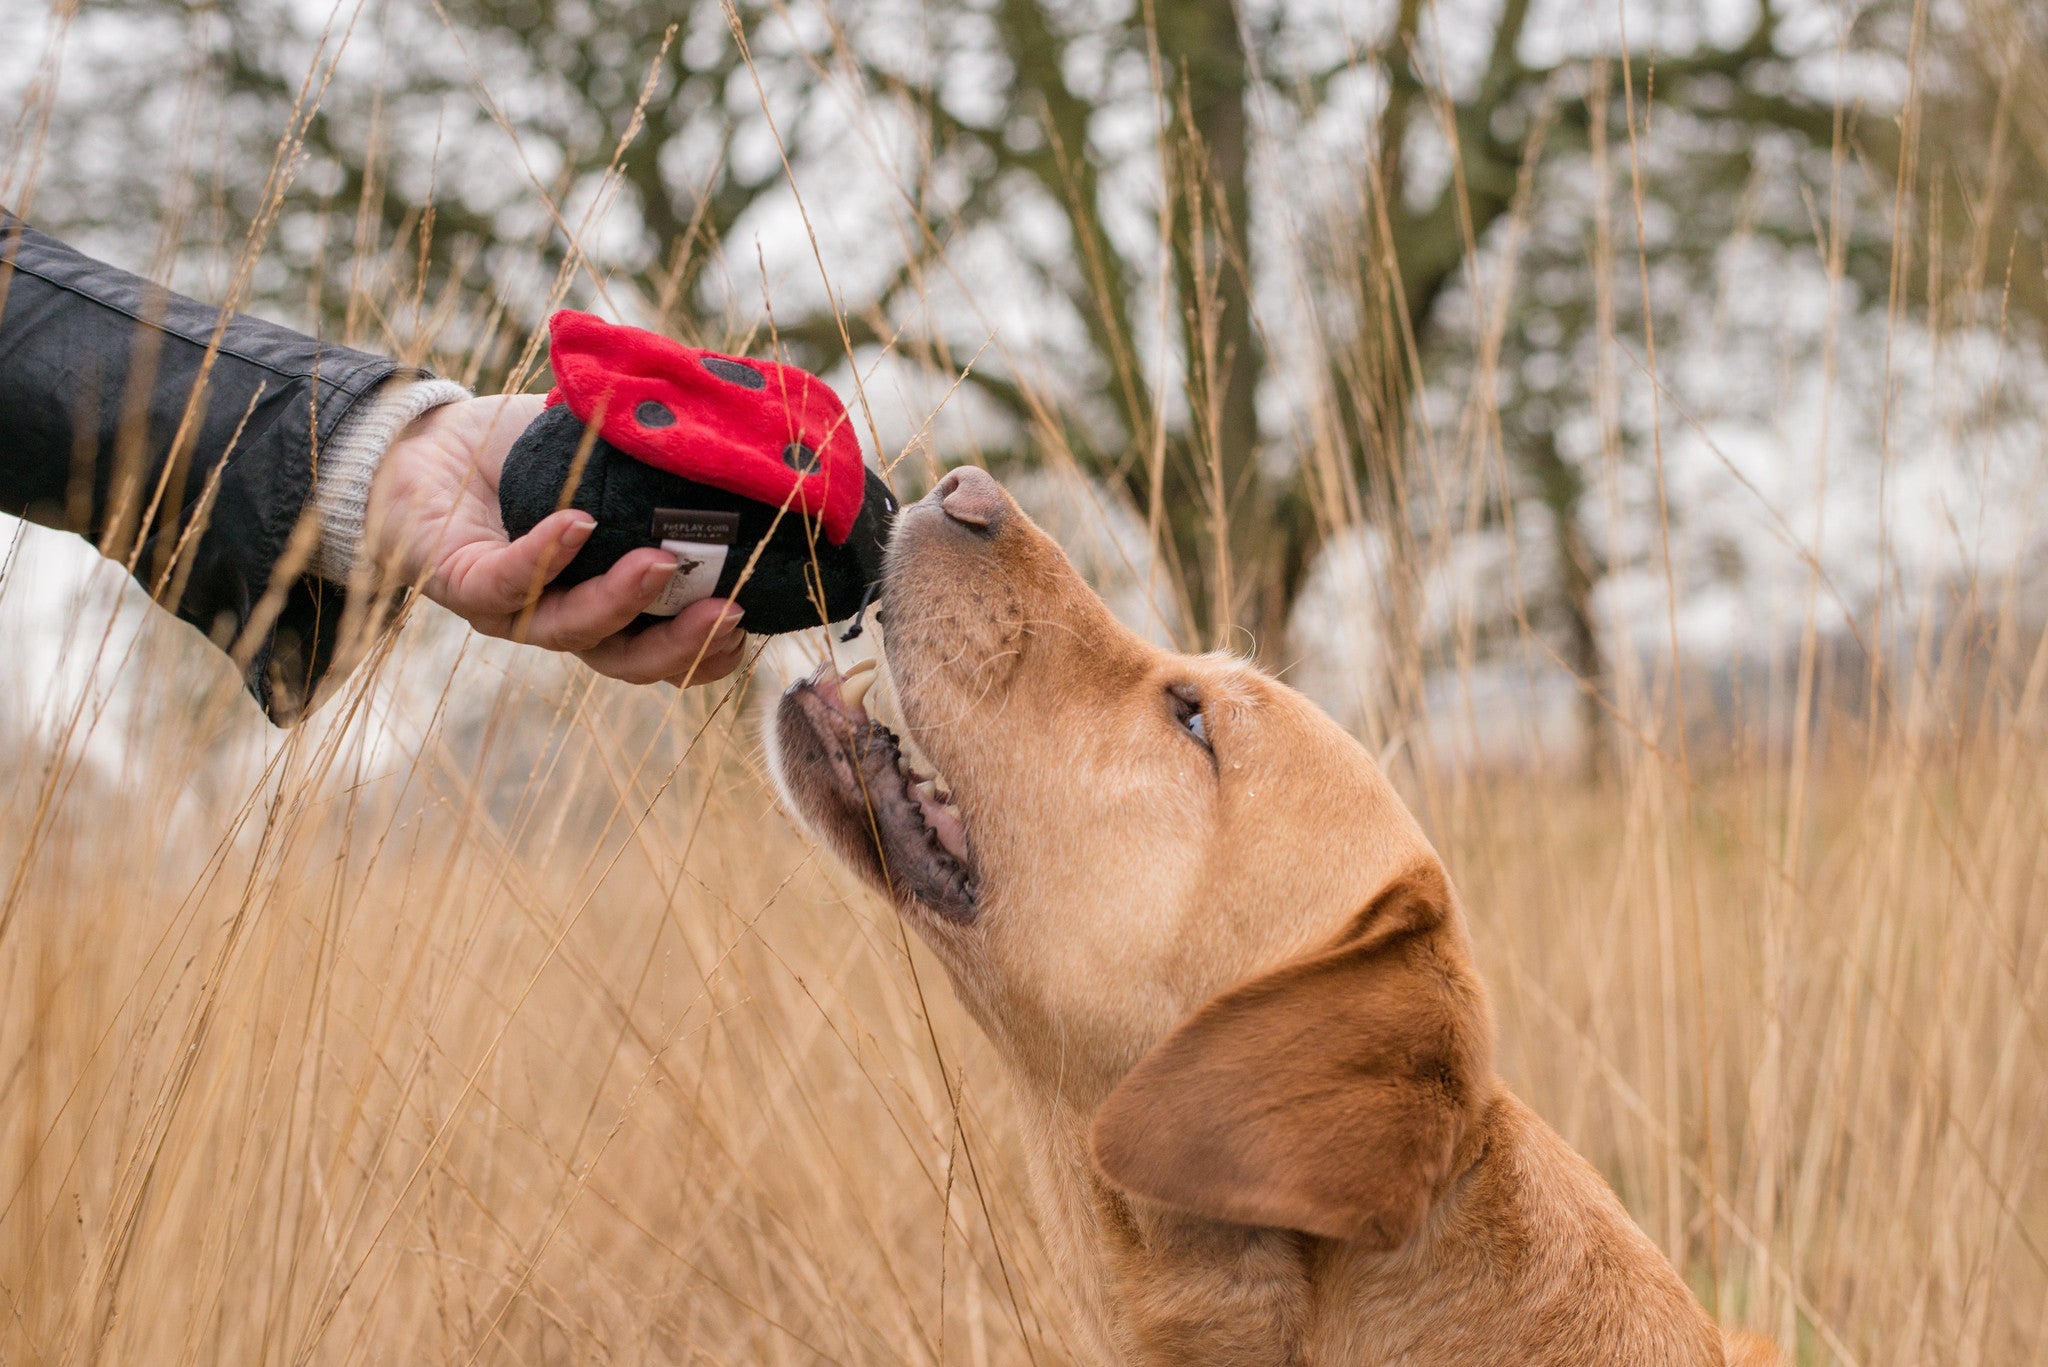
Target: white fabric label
698	564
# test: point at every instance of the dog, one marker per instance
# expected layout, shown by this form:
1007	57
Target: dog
1230	980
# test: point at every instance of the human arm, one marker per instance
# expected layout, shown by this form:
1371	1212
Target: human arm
189	445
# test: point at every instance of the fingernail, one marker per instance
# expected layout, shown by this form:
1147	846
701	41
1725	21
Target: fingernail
728	624
579	532
654	576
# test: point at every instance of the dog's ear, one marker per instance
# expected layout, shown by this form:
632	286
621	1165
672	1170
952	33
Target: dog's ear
1327	1095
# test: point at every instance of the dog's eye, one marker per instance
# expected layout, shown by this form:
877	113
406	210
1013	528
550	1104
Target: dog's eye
1187	710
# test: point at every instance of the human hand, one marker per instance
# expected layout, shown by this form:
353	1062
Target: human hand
433	519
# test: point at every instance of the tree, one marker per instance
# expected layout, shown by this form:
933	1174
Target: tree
1448	154
1196	237
436	176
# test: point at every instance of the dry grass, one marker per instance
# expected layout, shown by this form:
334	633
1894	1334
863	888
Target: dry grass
435	1057
1794	1014
543	1040
519	1028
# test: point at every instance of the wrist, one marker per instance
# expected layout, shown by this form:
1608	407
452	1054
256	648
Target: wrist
352	473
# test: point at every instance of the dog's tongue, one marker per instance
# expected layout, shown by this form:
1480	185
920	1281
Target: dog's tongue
848	693
945	823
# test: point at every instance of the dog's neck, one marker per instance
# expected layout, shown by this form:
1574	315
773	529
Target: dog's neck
1157	1286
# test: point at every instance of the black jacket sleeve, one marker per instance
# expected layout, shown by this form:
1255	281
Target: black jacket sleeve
99	371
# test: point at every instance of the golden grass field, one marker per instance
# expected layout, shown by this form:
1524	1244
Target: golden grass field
510	1023
544	1039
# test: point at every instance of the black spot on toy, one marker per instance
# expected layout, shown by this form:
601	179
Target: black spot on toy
748	472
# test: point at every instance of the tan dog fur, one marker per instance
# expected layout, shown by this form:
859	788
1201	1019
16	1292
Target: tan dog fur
1234	989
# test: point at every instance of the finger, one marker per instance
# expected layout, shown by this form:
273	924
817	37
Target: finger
698	635
713	668
495	579
720	659
713	619
701	634
580	618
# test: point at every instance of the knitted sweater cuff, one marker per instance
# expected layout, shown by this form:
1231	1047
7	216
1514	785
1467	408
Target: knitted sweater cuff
349	460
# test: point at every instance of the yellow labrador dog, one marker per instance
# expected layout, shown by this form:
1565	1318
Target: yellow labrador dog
1230	978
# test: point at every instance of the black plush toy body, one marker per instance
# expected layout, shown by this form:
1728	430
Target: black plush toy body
748	472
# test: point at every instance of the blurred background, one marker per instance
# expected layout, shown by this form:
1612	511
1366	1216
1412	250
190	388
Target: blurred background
1625	417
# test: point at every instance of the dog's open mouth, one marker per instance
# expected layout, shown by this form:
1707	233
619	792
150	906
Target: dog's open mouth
851	776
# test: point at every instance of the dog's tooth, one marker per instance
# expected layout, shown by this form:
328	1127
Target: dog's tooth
858	668
924	787
854	688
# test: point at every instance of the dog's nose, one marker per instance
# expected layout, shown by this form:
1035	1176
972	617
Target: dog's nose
972	497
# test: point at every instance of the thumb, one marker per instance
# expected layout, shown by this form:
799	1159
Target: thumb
507	576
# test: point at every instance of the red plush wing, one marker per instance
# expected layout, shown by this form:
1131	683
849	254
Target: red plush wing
766	431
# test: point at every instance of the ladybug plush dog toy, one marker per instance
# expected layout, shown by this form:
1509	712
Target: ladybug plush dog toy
748	472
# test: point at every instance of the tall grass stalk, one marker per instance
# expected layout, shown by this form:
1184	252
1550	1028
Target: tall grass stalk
492	1015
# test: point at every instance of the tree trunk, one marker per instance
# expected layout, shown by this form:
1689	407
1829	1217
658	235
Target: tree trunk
1562	490
1218	505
